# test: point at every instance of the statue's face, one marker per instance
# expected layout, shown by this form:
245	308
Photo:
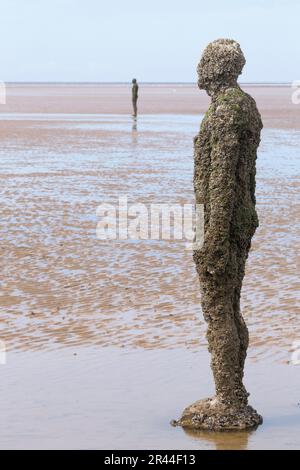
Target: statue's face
221	63
134	80
205	72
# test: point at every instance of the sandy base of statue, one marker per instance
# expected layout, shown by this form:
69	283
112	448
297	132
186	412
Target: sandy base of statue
211	415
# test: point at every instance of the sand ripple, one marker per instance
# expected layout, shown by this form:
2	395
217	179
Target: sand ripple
60	285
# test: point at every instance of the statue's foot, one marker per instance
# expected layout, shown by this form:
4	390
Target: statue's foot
211	415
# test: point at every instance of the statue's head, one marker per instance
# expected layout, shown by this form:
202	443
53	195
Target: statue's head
221	63
134	80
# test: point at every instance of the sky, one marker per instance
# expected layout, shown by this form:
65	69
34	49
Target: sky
152	40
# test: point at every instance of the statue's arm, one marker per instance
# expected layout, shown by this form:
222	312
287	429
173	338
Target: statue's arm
222	185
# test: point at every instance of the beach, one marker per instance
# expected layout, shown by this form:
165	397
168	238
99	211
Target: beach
274	101
100	398
101	321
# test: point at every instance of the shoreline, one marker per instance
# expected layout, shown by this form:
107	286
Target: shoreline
274	101
268	84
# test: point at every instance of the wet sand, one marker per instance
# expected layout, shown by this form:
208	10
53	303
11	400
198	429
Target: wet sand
102	398
275	102
65	291
62	286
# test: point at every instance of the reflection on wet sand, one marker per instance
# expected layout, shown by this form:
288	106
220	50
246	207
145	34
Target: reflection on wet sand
222	440
134	125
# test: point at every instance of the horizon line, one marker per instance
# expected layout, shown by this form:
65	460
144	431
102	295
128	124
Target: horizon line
282	83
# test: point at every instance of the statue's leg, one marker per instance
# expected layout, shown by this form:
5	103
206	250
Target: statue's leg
223	338
227	339
134	103
239	320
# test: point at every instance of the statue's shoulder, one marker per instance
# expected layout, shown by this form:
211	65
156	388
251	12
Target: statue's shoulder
232	100
236	106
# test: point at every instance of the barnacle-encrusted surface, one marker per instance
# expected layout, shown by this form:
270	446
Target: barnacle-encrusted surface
224	181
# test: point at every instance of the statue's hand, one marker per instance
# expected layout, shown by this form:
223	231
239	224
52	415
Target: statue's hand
212	257
216	256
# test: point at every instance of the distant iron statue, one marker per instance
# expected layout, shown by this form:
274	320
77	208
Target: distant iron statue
135	90
224	181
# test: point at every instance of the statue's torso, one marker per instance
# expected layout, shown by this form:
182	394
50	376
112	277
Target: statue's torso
242	125
135	89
